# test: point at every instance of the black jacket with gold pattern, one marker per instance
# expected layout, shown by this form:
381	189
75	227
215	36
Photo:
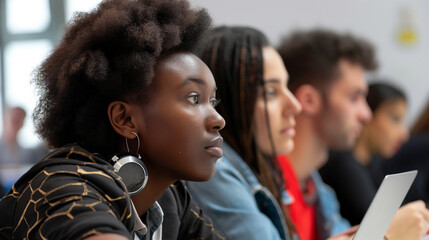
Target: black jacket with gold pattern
71	194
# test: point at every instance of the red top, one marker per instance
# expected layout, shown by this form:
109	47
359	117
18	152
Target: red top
301	211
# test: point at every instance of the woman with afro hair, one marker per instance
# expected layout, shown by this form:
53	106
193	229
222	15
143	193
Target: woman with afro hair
122	89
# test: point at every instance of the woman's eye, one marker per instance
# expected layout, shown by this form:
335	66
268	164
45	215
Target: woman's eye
396	118
194	99
270	92
214	102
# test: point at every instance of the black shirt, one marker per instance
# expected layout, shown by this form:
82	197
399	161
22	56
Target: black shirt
183	219
354	183
414	155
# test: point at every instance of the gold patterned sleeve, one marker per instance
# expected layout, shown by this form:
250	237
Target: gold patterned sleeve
68	201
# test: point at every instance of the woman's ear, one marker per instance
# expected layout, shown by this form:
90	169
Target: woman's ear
123	118
310	99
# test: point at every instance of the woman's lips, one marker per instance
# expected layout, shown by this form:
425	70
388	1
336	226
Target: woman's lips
214	147
215	151
290	131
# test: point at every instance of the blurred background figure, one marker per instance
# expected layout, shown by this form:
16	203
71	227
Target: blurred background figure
386	132
14	158
356	175
327	75
11	152
414	155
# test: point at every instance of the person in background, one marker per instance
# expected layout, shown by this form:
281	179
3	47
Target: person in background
326	74
11	152
414	154
129	111
356	175
245	195
15	159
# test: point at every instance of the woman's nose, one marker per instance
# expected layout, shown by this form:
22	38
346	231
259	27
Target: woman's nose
292	105
216	121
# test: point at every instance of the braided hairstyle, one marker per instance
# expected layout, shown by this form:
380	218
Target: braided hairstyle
234	55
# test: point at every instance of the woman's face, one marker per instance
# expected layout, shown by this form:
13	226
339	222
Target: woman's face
387	131
281	107
179	125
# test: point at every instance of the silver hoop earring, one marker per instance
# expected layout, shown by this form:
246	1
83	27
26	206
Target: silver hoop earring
131	168
138	144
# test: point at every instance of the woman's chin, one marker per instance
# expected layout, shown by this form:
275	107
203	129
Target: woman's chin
203	176
285	148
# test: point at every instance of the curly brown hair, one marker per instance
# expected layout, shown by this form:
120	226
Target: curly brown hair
311	57
106	55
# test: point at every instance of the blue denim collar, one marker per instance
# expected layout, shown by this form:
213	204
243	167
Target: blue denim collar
266	201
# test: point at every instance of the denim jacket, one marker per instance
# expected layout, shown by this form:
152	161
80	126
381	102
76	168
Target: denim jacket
240	207
328	218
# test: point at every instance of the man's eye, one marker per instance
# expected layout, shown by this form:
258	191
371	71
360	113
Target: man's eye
354	98
214	102
193	99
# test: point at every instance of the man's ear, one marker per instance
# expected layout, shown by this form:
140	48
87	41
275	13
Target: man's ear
123	118
310	99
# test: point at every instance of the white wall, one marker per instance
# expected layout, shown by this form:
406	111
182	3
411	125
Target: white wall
377	21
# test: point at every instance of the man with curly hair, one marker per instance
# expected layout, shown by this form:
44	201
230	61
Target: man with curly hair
122	84
327	75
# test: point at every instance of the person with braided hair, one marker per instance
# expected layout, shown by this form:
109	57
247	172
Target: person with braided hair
123	87
244	198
